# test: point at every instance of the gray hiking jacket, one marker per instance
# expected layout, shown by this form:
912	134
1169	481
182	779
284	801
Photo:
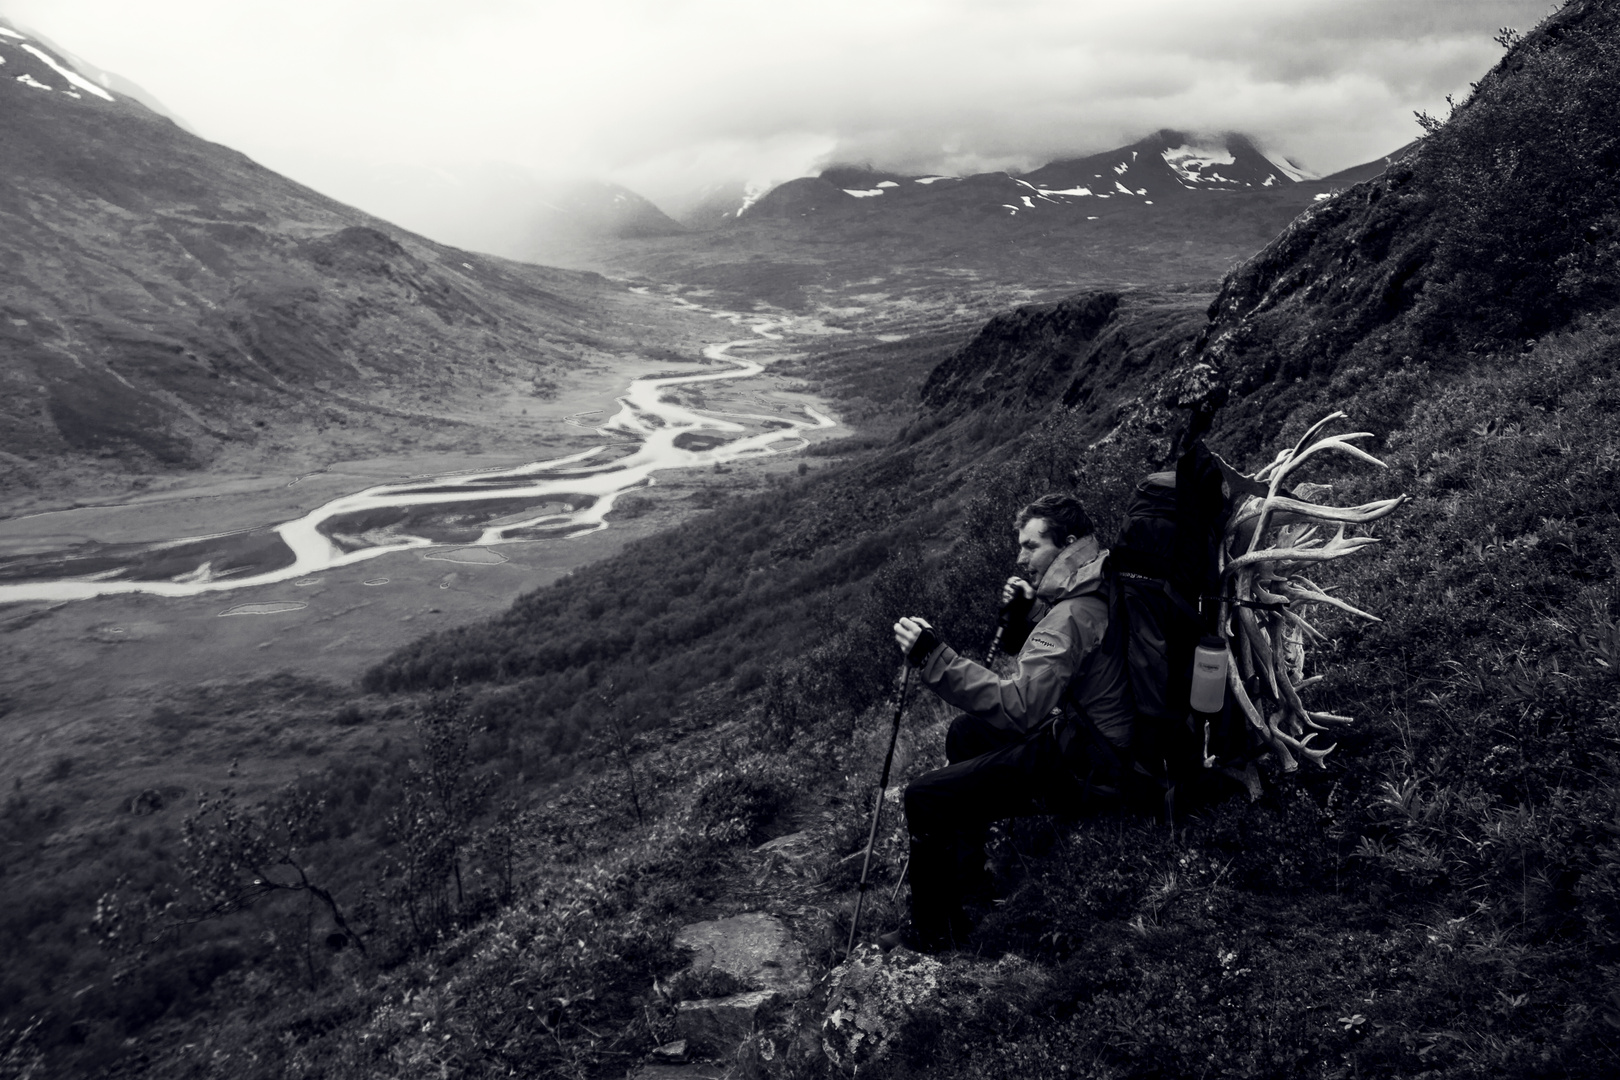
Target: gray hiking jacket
1070	661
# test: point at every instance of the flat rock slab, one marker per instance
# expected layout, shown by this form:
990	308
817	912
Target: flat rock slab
718	1024
754	948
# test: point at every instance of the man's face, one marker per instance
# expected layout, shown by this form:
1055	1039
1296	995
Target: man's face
1036	549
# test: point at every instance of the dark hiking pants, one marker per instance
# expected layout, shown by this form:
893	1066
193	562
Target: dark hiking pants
992	775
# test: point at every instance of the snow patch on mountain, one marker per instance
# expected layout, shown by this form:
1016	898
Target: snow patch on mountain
29	80
859	194
12	34
69	74
1189	162
934	179
752	193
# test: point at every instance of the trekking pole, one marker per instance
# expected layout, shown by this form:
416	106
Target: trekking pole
901	880
994	650
1003	617
877	811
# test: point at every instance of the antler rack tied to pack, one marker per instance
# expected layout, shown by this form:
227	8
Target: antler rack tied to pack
1213	589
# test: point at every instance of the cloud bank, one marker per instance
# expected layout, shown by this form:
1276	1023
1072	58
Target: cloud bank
666	96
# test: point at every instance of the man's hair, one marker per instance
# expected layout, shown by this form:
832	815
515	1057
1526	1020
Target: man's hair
1063	514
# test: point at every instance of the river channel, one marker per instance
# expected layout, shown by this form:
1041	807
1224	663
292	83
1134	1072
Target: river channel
555	499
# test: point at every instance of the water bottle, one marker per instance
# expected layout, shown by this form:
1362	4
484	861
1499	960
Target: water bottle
1209	675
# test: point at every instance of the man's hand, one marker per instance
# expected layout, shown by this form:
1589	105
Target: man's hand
1016	586
908	630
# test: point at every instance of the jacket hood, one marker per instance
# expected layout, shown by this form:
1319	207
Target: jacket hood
1077	569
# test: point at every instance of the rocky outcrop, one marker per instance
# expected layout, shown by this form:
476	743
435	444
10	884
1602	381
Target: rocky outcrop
754	950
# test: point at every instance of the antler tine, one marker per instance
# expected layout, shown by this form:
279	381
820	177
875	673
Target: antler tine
1289	694
1334	442
1256	721
1334	549
1300	535
1355	515
1299	621
1264	471
1280	744
1314	428
1240	695
1304	749
1294	592
1265	595
1286	455
1261	645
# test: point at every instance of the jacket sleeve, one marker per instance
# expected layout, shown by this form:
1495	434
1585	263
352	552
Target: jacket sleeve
1019	703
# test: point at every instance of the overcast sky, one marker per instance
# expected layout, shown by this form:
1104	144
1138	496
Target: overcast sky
667	95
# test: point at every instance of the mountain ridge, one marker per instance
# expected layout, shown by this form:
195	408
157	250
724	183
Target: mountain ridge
166	302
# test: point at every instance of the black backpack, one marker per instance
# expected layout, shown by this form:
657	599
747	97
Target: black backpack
1167	564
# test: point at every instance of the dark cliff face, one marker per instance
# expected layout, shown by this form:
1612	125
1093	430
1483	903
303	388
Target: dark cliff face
1021	357
1502	225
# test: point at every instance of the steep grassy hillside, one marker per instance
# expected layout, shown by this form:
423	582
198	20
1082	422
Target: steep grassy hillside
166	303
1500	227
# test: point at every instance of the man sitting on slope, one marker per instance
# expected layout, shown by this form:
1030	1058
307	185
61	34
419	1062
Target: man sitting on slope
1048	739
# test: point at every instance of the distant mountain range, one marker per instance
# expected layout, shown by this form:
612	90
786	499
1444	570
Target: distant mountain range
1169	210
505	210
1165	165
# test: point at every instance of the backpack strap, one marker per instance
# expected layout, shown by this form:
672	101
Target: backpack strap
1102	756
1169	590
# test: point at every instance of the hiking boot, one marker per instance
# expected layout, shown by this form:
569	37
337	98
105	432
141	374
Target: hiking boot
895	939
907	938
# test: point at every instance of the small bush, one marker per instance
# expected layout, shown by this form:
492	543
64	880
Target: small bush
742	803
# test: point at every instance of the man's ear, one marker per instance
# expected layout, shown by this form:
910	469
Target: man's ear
1071	538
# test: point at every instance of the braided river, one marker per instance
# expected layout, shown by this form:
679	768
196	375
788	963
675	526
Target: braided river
554	499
